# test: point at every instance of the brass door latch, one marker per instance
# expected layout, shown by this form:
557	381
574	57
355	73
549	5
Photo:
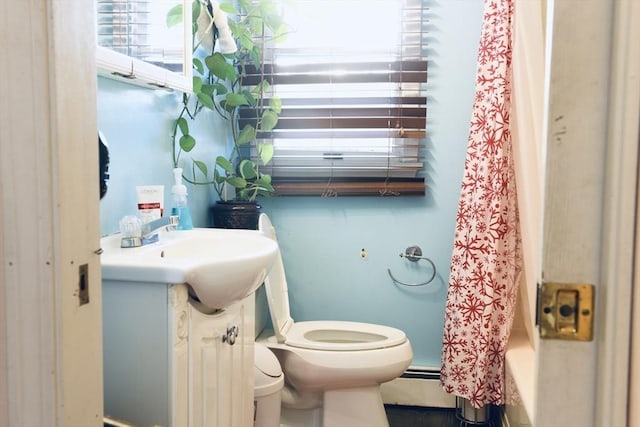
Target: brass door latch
565	311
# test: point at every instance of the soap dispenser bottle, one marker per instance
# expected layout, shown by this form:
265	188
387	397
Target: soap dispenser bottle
180	206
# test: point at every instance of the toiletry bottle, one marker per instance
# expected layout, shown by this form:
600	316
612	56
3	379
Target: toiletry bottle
180	206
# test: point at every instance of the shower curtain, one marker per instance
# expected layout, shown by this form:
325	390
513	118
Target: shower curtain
486	260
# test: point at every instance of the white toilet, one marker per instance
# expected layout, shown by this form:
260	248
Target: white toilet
333	370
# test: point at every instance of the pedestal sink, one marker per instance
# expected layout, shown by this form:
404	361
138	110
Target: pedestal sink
221	266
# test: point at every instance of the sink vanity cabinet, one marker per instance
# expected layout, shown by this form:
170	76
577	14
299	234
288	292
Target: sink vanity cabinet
169	362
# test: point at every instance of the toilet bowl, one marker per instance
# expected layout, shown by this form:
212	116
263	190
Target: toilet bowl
332	369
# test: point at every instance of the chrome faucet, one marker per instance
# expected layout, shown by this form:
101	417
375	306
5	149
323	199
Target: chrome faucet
136	234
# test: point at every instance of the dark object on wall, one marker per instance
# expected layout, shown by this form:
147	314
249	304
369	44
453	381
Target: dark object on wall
104	164
235	214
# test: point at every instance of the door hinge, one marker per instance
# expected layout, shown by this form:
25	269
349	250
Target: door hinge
565	311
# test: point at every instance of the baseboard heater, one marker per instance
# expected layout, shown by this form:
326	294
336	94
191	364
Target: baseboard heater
112	422
417	386
422	374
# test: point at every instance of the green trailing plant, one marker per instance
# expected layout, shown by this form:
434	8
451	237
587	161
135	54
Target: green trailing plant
218	86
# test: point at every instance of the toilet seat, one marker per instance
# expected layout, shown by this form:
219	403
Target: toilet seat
318	335
342	336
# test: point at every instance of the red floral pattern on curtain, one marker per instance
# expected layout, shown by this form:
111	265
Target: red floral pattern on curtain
486	259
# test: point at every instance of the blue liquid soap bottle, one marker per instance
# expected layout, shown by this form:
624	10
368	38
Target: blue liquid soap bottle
180	206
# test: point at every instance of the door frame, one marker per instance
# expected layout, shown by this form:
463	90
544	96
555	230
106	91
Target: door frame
50	343
620	220
589	215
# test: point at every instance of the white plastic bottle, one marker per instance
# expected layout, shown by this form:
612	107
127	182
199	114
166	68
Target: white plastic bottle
180	206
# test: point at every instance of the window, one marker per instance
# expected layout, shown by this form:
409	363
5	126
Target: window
351	78
138	28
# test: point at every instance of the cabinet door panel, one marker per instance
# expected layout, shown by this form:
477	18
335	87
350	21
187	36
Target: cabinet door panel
211	373
241	388
212	360
221	373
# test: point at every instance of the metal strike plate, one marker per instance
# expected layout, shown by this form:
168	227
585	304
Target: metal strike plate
565	311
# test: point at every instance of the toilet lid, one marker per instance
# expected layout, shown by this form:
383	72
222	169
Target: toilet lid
266	362
276	286
267	373
317	335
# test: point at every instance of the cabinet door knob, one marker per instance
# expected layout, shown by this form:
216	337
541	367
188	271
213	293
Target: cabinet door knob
231	335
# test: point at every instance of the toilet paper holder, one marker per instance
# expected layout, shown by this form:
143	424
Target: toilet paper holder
414	254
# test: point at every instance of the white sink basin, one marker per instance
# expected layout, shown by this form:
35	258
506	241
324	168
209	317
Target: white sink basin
222	266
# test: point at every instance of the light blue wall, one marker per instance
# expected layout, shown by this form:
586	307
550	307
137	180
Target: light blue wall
136	123
321	239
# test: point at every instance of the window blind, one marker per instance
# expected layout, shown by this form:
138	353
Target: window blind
138	28
351	77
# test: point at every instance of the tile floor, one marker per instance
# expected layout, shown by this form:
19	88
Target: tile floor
410	416
407	416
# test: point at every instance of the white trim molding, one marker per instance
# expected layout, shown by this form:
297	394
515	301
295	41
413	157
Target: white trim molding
620	219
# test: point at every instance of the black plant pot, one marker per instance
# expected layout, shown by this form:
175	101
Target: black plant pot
233	214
